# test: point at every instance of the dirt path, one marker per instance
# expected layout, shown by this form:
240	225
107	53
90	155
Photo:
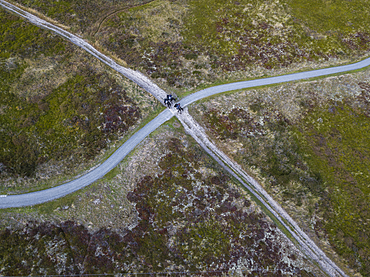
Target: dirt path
306	245
135	76
107	16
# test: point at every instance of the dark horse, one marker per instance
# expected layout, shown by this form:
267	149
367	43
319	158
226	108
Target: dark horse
168	100
178	107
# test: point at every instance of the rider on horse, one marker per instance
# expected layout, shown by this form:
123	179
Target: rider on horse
168	100
178	107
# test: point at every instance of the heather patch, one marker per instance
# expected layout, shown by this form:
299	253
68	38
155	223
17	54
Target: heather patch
190	218
81	16
201	221
184	44
337	144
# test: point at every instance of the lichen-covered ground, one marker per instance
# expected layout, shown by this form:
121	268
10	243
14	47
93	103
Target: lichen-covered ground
59	108
168	207
308	144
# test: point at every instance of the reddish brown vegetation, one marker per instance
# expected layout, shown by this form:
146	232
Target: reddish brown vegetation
187	222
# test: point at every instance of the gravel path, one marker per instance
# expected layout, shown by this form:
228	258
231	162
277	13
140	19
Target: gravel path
304	242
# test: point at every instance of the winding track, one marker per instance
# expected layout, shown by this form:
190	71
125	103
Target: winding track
305	243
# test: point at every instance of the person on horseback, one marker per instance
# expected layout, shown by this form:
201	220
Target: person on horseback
167	103
168	100
170	97
178	107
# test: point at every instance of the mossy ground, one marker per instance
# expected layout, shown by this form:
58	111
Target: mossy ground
184	44
186	215
308	144
59	107
181	55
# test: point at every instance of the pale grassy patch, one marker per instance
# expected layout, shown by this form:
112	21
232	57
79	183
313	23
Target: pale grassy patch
40	77
157	20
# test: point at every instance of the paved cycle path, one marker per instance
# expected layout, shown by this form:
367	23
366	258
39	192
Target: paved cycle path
273	80
38	197
42	196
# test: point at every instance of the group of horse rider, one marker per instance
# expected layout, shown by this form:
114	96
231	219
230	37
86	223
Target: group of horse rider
168	101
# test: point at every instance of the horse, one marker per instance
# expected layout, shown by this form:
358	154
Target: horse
178	107
168	100
167	103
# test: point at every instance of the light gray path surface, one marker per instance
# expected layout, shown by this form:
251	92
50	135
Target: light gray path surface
148	85
273	80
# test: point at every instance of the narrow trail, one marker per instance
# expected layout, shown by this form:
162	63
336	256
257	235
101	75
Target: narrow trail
305	244
107	16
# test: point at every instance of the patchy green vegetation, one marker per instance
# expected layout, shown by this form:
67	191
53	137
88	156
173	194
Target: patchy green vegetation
337	144
309	146
315	163
18	38
276	33
333	18
189	216
76	119
57	107
270	147
188	43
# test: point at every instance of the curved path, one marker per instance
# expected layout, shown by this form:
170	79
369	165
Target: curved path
38	197
306	245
